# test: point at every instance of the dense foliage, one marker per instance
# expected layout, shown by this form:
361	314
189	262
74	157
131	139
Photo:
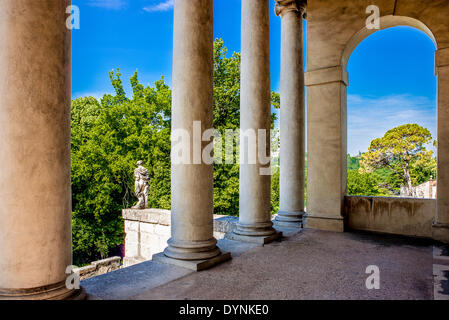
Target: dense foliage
397	159
364	184
108	138
227	117
402	151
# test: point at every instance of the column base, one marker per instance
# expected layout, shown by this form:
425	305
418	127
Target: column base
192	250
260	240
259	229
52	292
324	223
195	265
291	225
289	219
79	294
440	232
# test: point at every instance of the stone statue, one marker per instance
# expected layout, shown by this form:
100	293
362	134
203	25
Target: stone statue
141	186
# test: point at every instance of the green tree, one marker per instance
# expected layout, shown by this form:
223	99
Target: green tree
402	150
275	191
387	180
353	162
363	184
227	117
108	137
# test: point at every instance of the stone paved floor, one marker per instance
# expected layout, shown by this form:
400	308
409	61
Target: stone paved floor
314	265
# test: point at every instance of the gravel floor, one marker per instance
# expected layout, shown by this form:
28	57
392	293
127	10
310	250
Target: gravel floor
314	265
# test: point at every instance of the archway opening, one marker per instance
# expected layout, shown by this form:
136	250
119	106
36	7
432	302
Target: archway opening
391	107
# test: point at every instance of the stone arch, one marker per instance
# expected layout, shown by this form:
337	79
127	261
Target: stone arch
357	38
334	31
386	22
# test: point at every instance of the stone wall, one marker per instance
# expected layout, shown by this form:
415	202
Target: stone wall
426	190
403	216
147	232
100	267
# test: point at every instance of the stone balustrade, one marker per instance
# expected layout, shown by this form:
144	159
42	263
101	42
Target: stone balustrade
402	216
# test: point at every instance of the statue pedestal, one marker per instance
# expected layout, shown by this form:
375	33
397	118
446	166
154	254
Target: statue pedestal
147	232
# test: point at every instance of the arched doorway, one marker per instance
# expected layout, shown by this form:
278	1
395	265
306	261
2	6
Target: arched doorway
329	47
392	86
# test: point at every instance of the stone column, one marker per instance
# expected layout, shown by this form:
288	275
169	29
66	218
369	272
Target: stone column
440	229
35	197
255	112
326	148
192	180
292	154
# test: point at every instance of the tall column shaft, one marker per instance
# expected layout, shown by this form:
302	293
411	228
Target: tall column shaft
192	184
440	228
292	155
35	196
255	114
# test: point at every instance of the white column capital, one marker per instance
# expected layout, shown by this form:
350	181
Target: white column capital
284	6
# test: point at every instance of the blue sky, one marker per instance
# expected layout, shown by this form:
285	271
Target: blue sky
391	73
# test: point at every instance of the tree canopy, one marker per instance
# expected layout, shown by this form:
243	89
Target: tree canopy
401	157
108	138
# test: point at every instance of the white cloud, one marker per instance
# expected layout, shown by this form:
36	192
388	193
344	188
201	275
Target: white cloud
108	4
370	118
165	5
